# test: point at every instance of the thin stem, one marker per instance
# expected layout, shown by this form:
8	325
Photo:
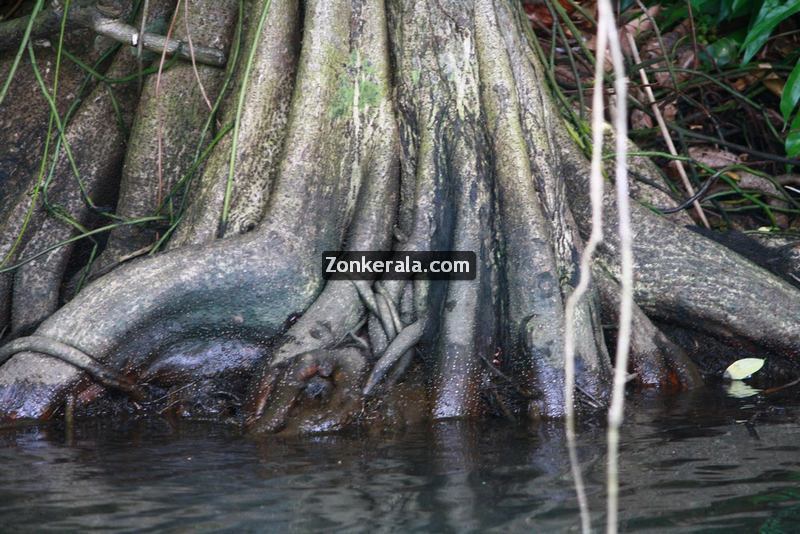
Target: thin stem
159	118
25	39
226	205
77	238
37	188
125	79
191	53
61	130
665	132
200	153
596	192
616	410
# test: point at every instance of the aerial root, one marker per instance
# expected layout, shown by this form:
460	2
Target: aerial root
73	356
401	339
381	306
390	306
399	346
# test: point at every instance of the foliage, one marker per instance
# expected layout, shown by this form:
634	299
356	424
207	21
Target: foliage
763	17
723	76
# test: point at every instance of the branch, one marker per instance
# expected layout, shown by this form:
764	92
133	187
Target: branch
102	18
665	132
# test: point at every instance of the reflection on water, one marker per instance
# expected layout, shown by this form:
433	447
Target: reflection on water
696	462
740	390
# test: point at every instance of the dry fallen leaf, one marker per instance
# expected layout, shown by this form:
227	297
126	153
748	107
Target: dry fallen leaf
540	15
565	76
669	112
640	120
713	157
774	84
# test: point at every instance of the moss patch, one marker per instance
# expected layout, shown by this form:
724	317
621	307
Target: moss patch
356	76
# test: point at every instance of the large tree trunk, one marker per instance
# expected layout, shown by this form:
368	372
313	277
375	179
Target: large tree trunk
412	126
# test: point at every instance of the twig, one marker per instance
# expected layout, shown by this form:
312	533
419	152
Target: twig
694	198
125	33
192	54
665	132
86	14
776	389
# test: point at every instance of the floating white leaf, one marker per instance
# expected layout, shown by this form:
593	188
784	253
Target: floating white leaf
744	368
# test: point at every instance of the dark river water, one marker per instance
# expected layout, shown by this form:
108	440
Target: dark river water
695	462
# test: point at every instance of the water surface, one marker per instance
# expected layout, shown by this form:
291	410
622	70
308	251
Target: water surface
696	462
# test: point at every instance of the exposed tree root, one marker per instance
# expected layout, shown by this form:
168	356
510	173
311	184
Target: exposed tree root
319	390
657	361
84	179
406	339
338	310
23	129
170	120
97	144
72	356
422	128
252	283
529	126
268	99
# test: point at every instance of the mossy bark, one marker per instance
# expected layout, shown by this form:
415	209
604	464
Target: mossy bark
169	130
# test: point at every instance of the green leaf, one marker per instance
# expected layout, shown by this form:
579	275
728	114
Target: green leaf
739	8
706	6
792	145
772	13
791	93
792	142
722	51
741	369
724	11
672	14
